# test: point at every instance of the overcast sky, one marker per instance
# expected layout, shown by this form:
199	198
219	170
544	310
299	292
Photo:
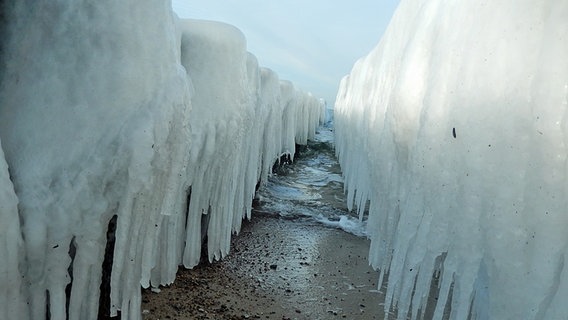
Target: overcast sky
312	43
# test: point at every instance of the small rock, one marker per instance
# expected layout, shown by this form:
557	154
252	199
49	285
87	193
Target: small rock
273	266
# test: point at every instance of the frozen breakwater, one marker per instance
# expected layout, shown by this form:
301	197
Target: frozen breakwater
454	128
166	125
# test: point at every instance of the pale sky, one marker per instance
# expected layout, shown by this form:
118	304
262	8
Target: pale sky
313	43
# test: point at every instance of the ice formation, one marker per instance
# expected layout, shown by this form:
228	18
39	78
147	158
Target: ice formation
454	127
10	246
146	131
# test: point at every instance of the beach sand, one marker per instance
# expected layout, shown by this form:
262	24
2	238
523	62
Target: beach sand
278	268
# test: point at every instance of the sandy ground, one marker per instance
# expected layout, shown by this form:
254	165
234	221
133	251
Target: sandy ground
277	269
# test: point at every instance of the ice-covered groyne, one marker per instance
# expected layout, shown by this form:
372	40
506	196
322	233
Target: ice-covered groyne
126	142
454	127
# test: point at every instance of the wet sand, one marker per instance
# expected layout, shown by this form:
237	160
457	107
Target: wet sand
278	268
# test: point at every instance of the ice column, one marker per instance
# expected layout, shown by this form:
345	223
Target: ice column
289	116
271	100
224	103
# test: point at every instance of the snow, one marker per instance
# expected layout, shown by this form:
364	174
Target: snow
454	128
165	124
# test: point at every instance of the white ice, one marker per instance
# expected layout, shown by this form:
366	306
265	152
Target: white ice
455	128
120	109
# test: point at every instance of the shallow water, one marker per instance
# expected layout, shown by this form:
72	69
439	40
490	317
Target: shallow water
311	188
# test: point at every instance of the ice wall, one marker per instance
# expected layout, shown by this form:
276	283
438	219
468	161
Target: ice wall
128	138
454	127
94	123
271	100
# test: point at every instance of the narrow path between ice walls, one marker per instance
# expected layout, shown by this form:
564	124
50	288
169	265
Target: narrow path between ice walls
454	127
301	256
127	141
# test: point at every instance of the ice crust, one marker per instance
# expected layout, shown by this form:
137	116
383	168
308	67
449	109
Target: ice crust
454	128
166	124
